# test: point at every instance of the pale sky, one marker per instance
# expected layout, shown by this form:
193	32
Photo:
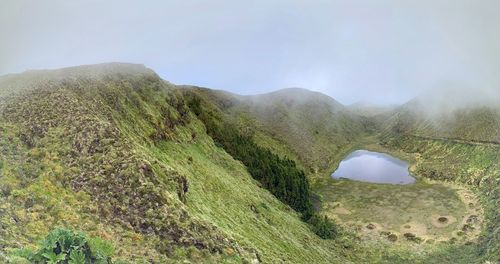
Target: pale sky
380	51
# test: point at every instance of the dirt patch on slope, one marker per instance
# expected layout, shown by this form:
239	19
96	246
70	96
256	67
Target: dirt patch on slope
441	221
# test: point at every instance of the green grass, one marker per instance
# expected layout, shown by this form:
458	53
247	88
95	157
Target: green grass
247	213
312	126
120	157
113	151
475	165
296	131
392	207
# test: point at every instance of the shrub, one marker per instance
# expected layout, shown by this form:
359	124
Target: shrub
323	226
69	247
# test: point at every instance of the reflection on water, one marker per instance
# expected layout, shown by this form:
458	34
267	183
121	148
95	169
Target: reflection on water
367	166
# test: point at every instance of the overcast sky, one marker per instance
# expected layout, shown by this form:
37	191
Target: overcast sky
374	51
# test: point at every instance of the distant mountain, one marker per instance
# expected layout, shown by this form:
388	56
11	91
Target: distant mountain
295	97
447	116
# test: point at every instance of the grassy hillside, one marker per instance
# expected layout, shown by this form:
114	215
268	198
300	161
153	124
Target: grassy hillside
308	126
112	150
457	143
463	149
458	146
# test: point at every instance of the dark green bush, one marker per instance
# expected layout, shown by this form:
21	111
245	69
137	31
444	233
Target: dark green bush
323	226
69	247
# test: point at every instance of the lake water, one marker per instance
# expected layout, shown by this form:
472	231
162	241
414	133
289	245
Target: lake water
368	166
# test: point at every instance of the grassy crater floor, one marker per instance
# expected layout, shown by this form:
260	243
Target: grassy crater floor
421	213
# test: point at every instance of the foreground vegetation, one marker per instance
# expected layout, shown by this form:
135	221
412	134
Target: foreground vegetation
68	247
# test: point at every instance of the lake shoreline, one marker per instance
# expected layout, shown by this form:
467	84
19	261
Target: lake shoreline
373	167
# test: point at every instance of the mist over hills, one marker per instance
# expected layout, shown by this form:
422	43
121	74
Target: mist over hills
249	132
297	96
448	99
115	151
469	116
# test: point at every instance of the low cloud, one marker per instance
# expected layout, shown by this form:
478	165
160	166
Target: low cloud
382	52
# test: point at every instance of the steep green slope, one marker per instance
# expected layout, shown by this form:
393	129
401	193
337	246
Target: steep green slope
307	126
117	152
114	151
283	121
74	152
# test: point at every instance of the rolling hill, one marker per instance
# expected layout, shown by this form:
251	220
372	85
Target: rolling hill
116	152
308	126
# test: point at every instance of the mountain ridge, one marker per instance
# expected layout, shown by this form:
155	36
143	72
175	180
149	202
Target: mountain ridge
121	156
126	151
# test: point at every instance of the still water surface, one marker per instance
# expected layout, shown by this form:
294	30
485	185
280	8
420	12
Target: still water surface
375	167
